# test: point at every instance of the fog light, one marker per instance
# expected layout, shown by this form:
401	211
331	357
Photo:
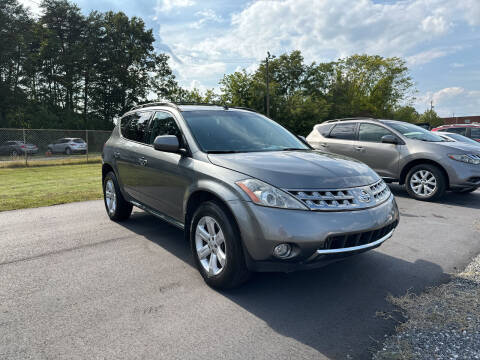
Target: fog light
282	251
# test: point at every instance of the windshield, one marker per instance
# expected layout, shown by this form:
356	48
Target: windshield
414	132
218	131
462	138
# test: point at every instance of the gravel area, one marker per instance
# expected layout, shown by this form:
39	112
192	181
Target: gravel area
442	323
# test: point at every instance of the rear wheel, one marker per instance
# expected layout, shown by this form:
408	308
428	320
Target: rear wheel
426	182
68	151
118	209
217	248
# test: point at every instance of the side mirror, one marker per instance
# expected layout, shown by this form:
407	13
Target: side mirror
389	139
167	143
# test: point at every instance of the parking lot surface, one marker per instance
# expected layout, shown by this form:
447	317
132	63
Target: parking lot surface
74	285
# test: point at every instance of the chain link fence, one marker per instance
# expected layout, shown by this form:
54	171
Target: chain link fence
36	147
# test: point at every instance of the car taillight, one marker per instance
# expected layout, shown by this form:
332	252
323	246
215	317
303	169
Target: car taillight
23	146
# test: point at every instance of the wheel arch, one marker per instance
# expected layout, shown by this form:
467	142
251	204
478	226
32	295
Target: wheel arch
411	164
106	168
199	196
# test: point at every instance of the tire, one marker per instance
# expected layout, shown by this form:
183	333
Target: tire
14	153
234	271
118	209
426	182
68	151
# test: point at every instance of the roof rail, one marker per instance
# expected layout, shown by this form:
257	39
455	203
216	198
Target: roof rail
351	118
156	103
244	108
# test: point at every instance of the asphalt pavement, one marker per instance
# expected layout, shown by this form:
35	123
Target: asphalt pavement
74	285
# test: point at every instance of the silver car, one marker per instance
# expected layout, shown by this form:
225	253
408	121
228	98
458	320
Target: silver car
250	195
454	137
402	152
68	146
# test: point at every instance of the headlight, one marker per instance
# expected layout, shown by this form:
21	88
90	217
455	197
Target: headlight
266	195
466	158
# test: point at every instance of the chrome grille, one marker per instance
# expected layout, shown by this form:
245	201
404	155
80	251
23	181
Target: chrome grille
343	199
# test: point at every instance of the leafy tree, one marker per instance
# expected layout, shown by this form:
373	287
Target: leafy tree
431	117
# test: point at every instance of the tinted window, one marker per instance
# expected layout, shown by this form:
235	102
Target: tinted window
135	126
371	132
163	123
324	129
239	131
78	141
344	131
475	133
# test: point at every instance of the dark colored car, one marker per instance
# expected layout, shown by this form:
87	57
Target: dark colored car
250	195
14	148
471	131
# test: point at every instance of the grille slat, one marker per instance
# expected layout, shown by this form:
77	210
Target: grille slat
343	199
357	239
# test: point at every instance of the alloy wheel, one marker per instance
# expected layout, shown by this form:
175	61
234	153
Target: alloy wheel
210	245
110	196
423	183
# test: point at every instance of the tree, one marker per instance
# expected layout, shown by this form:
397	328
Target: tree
406	113
431	117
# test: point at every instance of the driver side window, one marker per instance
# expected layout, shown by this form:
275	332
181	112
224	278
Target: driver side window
372	132
162	123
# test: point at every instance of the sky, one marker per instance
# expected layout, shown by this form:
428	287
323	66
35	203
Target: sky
439	39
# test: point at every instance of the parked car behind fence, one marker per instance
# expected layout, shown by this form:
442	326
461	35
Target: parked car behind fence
87	143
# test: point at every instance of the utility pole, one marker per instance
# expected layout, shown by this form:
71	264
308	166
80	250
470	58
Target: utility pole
431	105
268	81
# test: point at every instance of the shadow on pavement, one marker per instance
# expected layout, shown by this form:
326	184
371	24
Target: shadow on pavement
467	200
332	309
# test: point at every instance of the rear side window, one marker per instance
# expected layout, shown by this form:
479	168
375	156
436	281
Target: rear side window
78	141
162	123
475	133
324	129
344	131
372	133
134	126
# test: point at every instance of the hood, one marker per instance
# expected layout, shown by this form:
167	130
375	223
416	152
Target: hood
467	148
299	169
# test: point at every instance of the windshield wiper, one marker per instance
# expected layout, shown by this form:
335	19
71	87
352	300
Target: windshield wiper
290	149
224	151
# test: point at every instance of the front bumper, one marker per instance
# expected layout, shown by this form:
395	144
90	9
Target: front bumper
263	228
462	175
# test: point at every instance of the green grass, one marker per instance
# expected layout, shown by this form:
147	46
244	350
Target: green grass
49	185
32	162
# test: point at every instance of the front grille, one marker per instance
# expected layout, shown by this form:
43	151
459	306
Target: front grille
343	199
357	239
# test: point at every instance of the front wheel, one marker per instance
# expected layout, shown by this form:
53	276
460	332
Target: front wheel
426	182
118	209
217	248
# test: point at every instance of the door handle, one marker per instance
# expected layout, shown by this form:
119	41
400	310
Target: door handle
143	161
116	155
359	148
324	144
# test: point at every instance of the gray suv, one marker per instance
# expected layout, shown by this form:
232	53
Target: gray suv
402	152
249	195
